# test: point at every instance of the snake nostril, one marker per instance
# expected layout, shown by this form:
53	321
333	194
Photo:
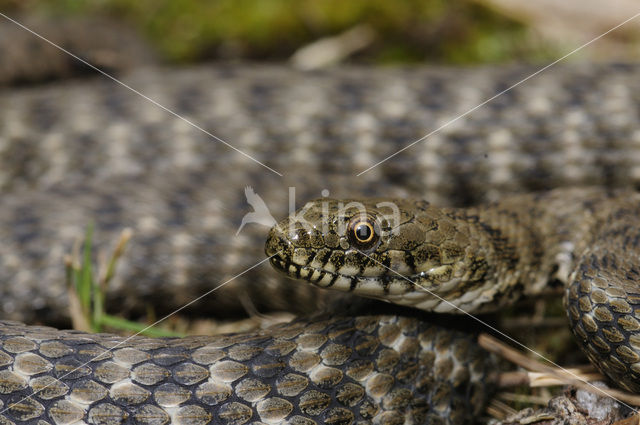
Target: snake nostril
277	244
280	251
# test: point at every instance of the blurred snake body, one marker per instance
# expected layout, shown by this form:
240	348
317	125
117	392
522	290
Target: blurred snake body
548	172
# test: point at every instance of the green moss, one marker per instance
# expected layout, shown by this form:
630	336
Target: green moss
453	31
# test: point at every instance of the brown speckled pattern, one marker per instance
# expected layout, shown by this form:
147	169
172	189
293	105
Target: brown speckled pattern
483	258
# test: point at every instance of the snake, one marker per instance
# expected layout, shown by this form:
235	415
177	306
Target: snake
482	259
353	365
537	186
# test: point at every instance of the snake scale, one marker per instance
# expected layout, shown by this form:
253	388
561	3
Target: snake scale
75	151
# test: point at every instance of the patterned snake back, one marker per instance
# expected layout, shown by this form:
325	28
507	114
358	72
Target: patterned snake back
75	151
483	258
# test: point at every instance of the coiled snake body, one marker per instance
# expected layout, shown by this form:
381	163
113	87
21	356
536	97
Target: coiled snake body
85	150
360	367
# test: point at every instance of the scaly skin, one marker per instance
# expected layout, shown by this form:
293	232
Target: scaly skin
342	369
80	151
351	365
73	152
484	258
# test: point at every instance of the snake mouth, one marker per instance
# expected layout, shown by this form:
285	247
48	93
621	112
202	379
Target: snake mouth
390	287
321	278
368	286
280	264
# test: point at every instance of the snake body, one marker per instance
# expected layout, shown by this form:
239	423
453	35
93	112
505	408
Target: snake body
363	368
73	152
78	150
355	366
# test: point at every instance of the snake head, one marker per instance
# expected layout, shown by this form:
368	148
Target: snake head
404	251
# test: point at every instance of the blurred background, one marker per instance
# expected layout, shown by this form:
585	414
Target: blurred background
317	33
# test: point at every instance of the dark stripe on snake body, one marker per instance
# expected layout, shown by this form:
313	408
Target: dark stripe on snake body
354	283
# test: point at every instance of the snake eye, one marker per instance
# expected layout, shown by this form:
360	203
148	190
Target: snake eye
362	231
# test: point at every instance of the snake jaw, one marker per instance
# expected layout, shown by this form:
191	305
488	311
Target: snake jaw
413	290
427	290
